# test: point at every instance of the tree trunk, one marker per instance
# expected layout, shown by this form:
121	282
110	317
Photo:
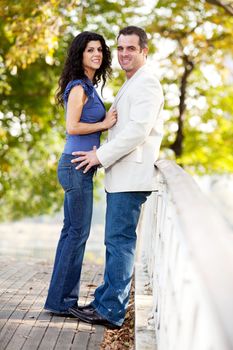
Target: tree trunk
177	146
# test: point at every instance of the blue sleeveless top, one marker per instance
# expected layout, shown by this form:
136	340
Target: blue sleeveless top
93	112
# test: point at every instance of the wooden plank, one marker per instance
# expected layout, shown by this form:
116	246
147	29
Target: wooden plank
16	296
96	338
8	270
90	281
81	341
34	339
11	283
9	308
19	337
6	334
35	317
52	333
37	332
26	326
67	334
29	319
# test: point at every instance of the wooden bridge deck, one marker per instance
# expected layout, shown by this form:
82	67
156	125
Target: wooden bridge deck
24	325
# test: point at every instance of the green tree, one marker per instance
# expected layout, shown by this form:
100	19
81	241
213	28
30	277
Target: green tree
34	40
192	41
197	39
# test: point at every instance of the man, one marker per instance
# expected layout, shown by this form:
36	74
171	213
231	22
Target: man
128	158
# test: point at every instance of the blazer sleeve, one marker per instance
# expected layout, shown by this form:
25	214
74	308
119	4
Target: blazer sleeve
146	101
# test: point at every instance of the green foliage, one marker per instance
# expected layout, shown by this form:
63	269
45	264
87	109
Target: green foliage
196	33
34	40
208	146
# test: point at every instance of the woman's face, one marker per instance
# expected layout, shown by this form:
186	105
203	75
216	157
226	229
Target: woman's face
92	56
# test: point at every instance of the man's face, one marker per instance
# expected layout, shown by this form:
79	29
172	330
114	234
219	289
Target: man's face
130	55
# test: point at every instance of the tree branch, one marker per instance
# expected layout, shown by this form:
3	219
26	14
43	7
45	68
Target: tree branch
226	6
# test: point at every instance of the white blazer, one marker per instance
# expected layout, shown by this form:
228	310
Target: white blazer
134	141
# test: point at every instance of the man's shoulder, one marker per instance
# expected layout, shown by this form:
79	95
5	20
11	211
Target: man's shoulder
147	72
147	77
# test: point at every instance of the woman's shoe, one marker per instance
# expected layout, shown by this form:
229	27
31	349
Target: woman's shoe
88	308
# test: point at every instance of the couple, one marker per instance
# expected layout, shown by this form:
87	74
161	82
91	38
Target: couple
134	138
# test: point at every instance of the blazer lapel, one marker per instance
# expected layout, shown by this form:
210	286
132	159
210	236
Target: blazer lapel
120	93
126	85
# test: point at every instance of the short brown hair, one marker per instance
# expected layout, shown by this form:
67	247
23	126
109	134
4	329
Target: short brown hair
143	40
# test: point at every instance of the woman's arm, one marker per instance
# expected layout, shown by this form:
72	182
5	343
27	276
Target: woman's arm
76	102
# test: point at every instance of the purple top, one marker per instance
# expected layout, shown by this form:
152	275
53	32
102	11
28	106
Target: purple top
93	112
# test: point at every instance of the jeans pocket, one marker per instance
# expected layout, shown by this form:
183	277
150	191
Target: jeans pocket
64	174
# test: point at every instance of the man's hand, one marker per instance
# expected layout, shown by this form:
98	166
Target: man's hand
88	159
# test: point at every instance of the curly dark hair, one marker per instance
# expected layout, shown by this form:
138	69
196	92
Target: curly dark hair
73	68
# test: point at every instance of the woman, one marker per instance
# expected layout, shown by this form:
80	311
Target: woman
87	63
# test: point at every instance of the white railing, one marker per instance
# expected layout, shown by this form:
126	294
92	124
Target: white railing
187	249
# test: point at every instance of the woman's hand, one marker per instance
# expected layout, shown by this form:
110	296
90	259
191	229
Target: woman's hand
110	119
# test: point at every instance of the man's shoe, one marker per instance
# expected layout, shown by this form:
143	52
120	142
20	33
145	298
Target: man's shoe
92	317
87	307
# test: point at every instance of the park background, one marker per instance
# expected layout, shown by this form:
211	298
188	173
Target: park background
192	54
191	51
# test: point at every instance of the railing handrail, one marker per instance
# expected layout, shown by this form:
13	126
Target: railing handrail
208	239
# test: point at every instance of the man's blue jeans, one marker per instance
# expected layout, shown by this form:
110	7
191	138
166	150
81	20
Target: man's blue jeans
111	298
65	282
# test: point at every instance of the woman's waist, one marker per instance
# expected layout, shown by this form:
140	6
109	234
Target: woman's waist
84	138
79	143
65	162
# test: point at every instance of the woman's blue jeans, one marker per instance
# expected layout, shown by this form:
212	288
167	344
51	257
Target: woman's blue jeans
123	210
65	281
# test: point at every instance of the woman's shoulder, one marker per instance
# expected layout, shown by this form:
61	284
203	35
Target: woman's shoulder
85	83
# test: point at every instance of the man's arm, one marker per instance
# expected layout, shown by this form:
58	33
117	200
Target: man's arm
146	103
145	106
